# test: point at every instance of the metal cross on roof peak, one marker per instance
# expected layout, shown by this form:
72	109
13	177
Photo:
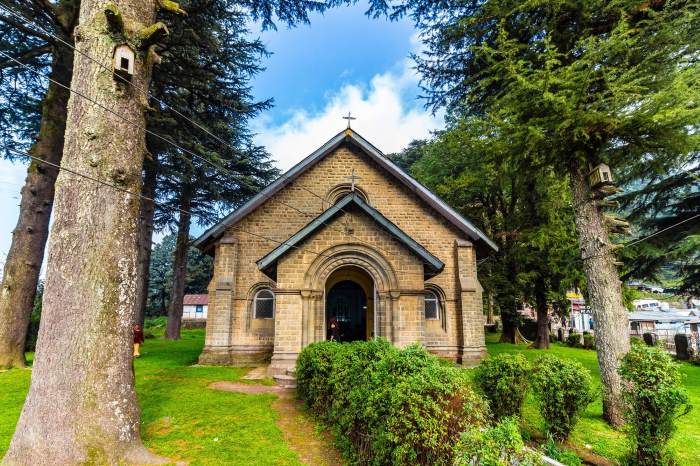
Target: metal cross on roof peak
349	118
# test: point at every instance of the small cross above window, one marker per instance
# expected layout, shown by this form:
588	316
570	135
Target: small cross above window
353	177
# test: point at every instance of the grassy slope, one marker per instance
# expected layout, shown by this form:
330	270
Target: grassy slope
181	418
591	429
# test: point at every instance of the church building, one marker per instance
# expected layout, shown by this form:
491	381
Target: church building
343	246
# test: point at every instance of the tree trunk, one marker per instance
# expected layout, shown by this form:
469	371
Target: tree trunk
82	407
508	305
604	291
23	263
508	321
489	309
542	339
146	212
182	247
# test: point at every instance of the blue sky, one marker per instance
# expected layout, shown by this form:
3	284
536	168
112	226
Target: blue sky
343	61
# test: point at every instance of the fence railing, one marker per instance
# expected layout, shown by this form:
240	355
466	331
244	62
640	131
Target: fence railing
668	337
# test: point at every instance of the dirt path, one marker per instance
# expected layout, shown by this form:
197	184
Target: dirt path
314	448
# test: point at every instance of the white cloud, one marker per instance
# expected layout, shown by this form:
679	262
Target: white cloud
11	181
388	115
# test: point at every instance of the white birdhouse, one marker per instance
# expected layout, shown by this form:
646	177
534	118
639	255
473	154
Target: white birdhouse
600	175
124	58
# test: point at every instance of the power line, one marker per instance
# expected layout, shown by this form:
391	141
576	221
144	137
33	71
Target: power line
102	65
121	78
631	243
141	196
661	231
177	146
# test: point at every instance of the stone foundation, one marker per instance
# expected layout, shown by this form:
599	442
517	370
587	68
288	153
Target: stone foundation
472	356
240	356
283	362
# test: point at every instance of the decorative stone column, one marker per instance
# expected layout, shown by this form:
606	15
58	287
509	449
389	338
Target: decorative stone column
289	332
473	345
218	333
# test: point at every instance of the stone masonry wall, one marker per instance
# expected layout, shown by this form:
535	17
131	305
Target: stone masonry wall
251	339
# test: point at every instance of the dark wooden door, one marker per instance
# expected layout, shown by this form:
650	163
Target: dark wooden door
346	302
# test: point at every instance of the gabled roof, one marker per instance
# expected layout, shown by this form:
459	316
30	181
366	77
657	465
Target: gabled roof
267	264
345	136
195	300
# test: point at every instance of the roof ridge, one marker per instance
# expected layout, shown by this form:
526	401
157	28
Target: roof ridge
346	134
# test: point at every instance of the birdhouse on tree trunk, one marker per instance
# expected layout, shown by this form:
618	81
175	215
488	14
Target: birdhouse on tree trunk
599	176
124	58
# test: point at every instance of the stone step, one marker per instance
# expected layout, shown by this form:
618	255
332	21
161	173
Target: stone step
292	372
285	381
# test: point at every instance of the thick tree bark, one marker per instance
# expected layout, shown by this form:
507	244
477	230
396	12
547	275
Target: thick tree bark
146	212
508	321
542	339
508	304
23	263
81	407
182	247
604	291
489	309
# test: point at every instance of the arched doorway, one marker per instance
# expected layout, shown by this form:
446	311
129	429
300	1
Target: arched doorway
350	305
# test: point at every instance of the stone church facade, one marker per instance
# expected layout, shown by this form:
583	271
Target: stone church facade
343	246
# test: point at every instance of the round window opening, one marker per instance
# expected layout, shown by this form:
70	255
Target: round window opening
340	191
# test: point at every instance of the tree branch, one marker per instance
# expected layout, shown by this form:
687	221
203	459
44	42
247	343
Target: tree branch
25	29
28	54
48	9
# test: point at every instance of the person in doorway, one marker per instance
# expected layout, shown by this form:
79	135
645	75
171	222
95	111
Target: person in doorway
138	340
334	330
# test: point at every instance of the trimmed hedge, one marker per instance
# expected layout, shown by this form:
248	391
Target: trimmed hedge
655	398
503	380
563	389
499	445
574	339
388	406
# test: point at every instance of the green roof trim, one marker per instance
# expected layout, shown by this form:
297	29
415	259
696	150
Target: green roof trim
268	264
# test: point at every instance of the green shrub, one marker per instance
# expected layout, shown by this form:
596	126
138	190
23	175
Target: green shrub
500	445
588	341
388	406
552	450
313	368
654	398
563	389
574	339
503	380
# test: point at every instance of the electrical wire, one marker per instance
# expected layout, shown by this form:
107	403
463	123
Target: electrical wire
194	155
141	196
102	65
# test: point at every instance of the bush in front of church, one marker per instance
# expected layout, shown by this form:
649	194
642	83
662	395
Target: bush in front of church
313	371
388	406
503	379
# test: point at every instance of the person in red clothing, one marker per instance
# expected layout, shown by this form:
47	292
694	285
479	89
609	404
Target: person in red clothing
334	330
138	340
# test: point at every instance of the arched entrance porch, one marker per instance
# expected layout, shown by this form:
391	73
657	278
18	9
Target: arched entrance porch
349	305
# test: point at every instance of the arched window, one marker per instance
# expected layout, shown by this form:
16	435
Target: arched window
431	305
264	304
340	191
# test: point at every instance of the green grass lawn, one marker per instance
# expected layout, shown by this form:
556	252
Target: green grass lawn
181	418
184	420
592	429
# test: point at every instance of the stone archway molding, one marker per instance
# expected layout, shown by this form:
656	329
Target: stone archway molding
351	254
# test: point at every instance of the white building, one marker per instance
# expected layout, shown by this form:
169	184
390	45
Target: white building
195	307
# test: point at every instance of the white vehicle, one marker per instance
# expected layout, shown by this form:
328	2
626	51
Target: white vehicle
646	305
